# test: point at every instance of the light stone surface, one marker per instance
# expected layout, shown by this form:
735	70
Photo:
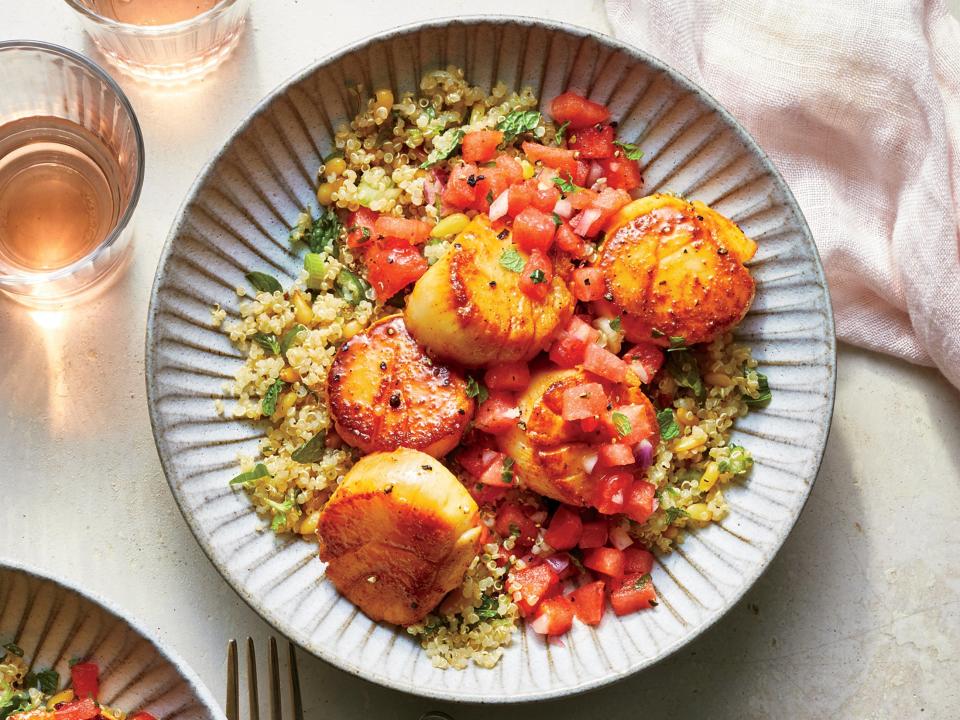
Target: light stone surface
857	617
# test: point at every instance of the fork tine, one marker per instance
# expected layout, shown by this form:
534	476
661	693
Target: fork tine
295	683
252	681
233	682
275	705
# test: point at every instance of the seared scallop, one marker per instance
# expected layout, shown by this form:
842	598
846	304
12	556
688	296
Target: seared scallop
398	534
385	393
674	268
468	307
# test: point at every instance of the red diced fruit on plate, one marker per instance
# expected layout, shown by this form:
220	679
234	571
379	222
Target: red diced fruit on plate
594	534
588	284
621	173
604	363
568	241
554	616
361	226
85	679
645	360
630	424
637	560
593	142
640	501
508	376
413	231
536	276
533	230
498	413
459	192
604	560
497	474
588	602
565	529
512	521
78	710
631	593
475	459
392	265
614	455
536	583
586	400
577	110
611	491
481	145
553	157
571	343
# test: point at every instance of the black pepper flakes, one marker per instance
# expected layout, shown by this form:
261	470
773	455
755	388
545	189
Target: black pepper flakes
461	411
492	283
383	365
428	468
395	400
502	234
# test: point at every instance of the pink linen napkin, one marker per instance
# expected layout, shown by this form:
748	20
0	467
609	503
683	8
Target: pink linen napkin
858	105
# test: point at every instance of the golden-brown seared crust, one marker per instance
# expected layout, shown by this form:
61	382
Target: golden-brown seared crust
675	269
469	308
398	534
385	393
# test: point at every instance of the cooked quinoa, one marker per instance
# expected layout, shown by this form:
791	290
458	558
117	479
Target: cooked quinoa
378	165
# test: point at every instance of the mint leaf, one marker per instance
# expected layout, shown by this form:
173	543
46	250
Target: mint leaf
248	478
263	282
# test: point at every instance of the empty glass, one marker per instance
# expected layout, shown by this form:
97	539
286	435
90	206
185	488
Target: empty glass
164	41
71	170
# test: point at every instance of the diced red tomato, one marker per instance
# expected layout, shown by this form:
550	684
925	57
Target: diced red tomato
582	199
631	593
413	231
495	180
392	265
577	110
604	560
493	474
604	363
640	499
587	284
586	400
593	142
459	193
498	413
614	455
533	230
637	560
360	227
565	529
78	710
594	534
536	583
511	520
537	275
622	173
588	602
475	459
601	209
481	145
570	344
645	360
581	173
557	158
507	376
568	241
554	616
85	679
532	193
642	422
610	493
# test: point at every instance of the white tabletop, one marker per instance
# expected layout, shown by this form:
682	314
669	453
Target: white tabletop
858	616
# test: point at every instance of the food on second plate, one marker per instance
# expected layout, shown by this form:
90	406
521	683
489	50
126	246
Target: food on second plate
674	268
37	695
386	393
398	534
584	335
468	307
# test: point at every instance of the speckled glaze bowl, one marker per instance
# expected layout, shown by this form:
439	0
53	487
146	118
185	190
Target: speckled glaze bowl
237	217
53	622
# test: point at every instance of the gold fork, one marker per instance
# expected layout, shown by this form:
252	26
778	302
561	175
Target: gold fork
233	682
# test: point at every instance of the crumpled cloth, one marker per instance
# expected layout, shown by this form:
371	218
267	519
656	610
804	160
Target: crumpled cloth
858	104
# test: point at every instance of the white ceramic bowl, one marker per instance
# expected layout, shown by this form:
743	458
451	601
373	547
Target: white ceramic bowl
53	622
237	217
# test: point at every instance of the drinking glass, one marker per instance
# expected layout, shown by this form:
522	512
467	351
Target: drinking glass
71	170
169	53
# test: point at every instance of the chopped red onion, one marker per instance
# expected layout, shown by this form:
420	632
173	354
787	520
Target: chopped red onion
587	218
589	462
498	208
539	516
559	563
540	625
596	172
643	452
620	538
563	208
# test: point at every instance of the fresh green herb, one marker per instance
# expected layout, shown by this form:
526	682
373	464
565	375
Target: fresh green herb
669	428
538	276
281	509
677	342
268	405
365	233
290	337
675	513
12	703
262	282
656	333
303	224
46	681
351	287
641	582
431	112
737	462
630	151
566	185
489	608
247	478
506	474
561	132
514	530
489	196
622	423
324	233
682	365
316	266
517	123
763	388
311	451
616	324
557	221
512	260
267	342
13	649
444	146
477	390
